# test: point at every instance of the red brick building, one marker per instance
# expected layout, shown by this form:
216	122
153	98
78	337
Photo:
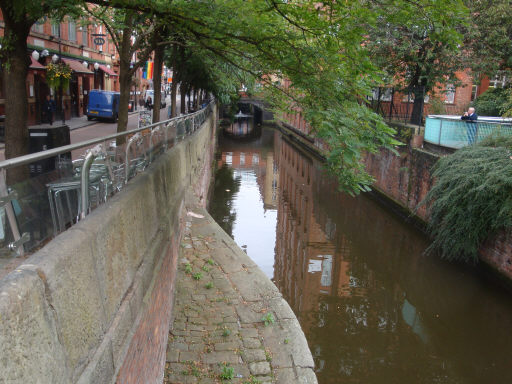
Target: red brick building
76	45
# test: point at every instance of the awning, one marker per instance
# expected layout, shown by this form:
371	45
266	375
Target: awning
77	66
108	71
36	65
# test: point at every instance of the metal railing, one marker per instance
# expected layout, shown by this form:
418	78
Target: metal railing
38	208
452	132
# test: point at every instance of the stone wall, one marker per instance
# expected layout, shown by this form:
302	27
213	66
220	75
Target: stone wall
86	302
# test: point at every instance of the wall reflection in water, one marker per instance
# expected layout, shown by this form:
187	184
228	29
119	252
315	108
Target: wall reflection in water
374	309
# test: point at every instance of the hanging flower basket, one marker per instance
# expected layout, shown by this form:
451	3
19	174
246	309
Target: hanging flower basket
58	75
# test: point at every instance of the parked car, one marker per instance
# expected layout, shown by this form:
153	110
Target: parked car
103	105
151	93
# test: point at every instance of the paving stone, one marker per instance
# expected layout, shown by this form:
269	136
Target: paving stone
197	347
251	342
249	332
179	346
188	356
172	355
221	357
253	355
260	368
227	346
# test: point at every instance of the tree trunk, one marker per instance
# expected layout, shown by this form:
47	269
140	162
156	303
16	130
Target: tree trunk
157	81
417	108
173	97
125	76
174	83
183	95
15	67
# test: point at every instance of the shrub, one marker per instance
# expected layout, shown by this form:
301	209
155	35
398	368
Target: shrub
492	102
471	198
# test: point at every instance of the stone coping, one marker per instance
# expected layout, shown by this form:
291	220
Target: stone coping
231	324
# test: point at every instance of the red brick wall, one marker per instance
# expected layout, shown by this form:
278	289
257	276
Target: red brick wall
407	179
146	356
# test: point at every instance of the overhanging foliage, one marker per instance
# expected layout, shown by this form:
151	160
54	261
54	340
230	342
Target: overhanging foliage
471	198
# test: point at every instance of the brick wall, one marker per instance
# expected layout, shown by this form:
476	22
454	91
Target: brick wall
407	179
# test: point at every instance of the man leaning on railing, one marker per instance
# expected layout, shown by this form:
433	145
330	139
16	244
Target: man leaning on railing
470	117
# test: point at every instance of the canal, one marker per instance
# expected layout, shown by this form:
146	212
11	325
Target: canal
374	309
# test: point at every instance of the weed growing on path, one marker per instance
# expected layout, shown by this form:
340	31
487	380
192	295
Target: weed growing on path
227	372
268	319
197	276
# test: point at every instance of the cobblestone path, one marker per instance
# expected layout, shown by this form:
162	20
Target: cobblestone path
231	324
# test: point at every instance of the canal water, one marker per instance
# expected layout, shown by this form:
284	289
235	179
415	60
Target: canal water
373	308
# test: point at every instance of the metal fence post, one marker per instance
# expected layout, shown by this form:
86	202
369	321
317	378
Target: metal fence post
440	131
84	179
6	201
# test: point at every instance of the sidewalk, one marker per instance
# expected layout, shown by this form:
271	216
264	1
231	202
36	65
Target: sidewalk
231	324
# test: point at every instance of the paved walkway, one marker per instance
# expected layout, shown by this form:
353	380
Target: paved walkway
231	324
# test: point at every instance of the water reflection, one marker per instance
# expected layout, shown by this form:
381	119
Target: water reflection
373	308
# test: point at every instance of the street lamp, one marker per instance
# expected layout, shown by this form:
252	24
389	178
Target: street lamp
55	58
35	55
85	64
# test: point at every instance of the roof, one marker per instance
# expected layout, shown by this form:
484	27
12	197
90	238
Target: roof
36	65
107	70
77	66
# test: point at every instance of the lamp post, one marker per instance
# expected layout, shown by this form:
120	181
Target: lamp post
55	59
96	66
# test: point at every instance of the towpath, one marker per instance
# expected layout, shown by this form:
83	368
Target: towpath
230	324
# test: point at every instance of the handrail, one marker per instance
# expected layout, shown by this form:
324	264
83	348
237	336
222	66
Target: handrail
30	158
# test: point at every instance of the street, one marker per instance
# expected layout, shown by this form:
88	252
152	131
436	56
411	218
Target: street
100	129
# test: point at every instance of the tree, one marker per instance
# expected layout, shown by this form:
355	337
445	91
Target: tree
132	33
488	38
19	16
417	44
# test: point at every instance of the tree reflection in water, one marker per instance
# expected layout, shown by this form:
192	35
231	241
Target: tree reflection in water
221	207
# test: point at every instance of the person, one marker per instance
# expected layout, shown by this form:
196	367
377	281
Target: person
470	114
49	108
470	117
149	103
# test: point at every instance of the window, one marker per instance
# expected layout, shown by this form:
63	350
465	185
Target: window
56	29
71	31
499	81
474	91
38	26
385	94
450	94
85	37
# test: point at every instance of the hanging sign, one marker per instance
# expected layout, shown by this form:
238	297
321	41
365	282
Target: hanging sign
99	40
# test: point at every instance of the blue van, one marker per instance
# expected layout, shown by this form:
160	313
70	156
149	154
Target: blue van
103	105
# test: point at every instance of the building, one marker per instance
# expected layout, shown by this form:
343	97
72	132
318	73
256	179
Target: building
87	50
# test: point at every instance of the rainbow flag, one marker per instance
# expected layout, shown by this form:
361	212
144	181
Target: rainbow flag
147	72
